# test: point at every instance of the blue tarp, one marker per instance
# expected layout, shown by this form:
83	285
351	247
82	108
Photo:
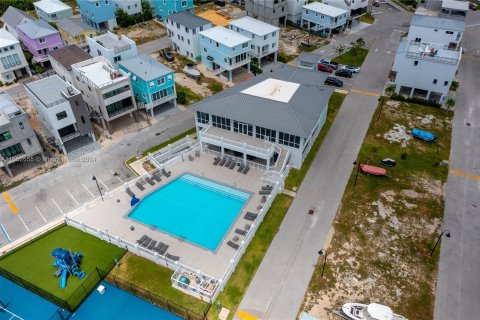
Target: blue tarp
423	135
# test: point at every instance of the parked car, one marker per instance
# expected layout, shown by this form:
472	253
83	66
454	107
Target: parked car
330	63
167	55
354	69
324	68
343	73
332	81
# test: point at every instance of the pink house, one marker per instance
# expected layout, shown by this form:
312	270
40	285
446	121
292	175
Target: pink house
39	38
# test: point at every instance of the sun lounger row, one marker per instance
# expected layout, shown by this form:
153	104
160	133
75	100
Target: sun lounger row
147	242
267	187
264	191
250	216
243	169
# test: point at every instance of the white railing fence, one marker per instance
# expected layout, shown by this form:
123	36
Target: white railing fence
251	164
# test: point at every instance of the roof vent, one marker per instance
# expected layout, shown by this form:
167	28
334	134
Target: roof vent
70	91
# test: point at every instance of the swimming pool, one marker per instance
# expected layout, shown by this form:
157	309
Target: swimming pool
192	208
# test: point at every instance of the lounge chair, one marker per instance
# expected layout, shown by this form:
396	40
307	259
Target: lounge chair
229	162
172	257
129	192
151	245
161	250
240	169
156	176
251	216
146	242
232	165
233	245
245	171
222	162
149	181
264	191
139	186
166	173
241	232
142	239
267	187
190	157
216	161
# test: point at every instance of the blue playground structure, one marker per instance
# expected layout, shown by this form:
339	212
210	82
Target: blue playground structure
67	263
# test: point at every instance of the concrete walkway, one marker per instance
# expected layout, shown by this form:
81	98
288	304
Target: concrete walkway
278	288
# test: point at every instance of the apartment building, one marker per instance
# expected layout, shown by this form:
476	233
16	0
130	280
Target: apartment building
100	14
63	59
114	48
13	64
52	10
273	12
323	18
163	8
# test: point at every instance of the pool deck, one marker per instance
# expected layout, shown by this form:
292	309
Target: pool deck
109	215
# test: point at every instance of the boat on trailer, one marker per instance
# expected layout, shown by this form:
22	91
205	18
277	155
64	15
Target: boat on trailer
372	311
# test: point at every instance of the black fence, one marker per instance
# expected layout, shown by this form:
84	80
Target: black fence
155	299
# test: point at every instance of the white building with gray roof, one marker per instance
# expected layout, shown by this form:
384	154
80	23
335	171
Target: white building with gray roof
267	120
436	30
114	48
13	63
184	31
52	10
14	17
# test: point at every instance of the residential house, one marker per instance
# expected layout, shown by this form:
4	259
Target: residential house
100	14
153	83
131	7
61	110
63	59
224	50
113	47
52	10
14	17
264	37
273	12
184	31
163	8
39	38
323	18
307	60
427	60
75	31
355	8
294	10
266	121
454	9
106	91
13	64
18	141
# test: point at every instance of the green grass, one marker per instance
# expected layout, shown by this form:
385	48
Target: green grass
352	57
155	278
189	96
311	48
285	58
33	262
162	145
296	176
215	87
253	256
367	18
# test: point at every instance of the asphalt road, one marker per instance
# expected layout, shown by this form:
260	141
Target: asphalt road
458	293
155	45
279	285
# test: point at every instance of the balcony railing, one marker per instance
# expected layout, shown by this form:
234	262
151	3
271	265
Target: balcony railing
417	50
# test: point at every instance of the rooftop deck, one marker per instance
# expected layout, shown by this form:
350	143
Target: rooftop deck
433	52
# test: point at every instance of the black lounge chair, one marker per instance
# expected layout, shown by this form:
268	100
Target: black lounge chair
251	216
146	242
264	191
233	245
142	239
172	257
139	186
161	251
129	192
222	162
245	171
216	161
229	162
166	173
151	245
156	177
241	232
240	169
149	181
267	187
232	165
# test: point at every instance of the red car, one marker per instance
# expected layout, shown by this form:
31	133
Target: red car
324	68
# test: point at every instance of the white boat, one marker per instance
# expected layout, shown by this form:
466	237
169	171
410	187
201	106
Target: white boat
372	311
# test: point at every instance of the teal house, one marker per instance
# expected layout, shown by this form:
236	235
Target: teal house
153	83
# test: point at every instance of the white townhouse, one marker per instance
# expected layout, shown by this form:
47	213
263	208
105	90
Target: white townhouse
294	10
14	17
436	30
355	8
112	47
131	7
13	64
323	18
184	31
264	37
52	10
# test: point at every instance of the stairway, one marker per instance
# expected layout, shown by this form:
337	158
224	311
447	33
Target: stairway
281	160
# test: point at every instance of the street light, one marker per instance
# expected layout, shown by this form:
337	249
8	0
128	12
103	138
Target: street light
95	179
447	234
324	253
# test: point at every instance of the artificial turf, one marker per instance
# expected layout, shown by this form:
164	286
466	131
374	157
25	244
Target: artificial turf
33	262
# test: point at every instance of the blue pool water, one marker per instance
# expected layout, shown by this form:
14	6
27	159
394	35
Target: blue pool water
192	208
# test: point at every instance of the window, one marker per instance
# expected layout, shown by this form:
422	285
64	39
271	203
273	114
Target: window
204	49
449	32
445	83
435	30
240	57
220	122
186	30
11	151
188	41
89	88
435	81
151	84
160	81
106	2
289	140
307	12
415	63
252	47
263	133
265	37
245	45
274	33
178	26
184	3
99	53
10	61
273	45
83	119
29	141
159	94
253	36
203	117
97	4
117	58
243	128
41	40
115	92
21	125
216	43
61	115
5	136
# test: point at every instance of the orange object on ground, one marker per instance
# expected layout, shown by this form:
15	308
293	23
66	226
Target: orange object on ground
375	171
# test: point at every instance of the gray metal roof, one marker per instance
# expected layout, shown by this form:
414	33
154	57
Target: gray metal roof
74	26
145	67
47	90
69	55
309	57
438	23
14	16
299	116
188	19
36	29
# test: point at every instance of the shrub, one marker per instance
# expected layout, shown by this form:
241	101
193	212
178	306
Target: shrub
255	69
181	97
390	90
284	58
404	155
454	85
450	103
416	100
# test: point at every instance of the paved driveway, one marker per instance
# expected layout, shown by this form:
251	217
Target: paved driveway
278	288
